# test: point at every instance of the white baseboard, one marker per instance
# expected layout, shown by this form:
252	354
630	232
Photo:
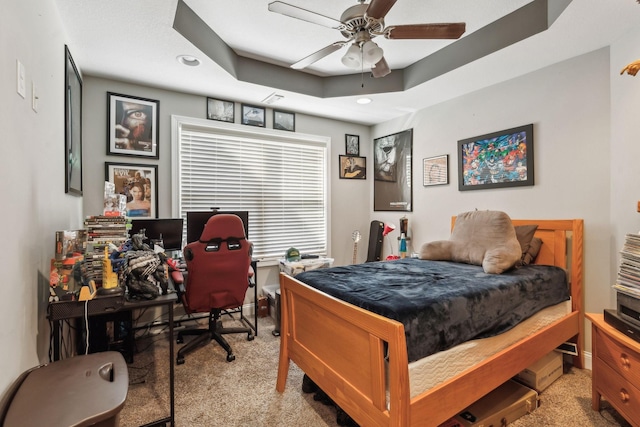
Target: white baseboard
587	360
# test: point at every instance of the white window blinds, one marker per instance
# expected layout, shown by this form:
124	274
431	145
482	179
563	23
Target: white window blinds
279	177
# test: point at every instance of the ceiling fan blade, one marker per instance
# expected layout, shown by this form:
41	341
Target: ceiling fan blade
314	57
378	9
305	15
381	69
426	31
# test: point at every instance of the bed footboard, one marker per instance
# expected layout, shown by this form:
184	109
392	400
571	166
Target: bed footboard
318	331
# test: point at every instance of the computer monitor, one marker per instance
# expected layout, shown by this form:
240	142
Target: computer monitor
197	220
169	230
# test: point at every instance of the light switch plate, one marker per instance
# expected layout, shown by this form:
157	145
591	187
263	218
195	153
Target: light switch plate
20	80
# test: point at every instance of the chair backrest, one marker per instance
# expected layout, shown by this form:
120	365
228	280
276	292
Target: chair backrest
218	265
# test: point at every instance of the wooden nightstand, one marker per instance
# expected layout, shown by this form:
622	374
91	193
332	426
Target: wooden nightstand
616	369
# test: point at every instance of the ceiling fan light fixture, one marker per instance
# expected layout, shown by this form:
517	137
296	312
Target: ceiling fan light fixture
351	59
371	53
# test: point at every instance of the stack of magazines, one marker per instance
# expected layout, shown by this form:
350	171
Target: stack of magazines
628	280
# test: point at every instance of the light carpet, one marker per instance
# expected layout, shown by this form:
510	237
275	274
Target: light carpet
209	391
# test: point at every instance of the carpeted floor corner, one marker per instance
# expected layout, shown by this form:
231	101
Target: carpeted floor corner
209	391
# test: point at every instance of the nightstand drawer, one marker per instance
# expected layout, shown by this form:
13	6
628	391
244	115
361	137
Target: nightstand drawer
619	357
619	392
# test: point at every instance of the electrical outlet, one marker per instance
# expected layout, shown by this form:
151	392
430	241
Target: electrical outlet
20	80
34	97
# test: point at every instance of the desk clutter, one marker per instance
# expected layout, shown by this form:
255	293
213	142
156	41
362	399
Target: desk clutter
103	259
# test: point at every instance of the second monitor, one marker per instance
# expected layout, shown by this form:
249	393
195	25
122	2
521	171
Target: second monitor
197	220
167	230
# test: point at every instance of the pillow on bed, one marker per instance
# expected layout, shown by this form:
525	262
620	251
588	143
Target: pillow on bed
525	233
485	238
532	251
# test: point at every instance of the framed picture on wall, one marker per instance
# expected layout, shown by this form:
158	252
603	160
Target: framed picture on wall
283	120
496	160
352	145
252	115
392	172
352	167
218	109
139	183
132	126
72	126
435	170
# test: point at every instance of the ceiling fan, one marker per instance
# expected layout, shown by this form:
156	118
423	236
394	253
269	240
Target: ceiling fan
361	23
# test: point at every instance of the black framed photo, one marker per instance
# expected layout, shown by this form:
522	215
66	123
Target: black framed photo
139	184
496	160
252	115
221	110
72	126
352	145
352	167
132	126
435	170
392	172
284	120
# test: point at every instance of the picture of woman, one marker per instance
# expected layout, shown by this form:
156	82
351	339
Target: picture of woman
138	183
138	206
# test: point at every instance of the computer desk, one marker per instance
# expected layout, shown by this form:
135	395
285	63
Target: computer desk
59	311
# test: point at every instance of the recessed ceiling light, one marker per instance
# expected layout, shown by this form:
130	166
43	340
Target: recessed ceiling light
363	101
189	60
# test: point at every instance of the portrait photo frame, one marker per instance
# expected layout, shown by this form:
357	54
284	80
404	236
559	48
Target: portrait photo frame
284	120
220	110
126	176
393	171
352	145
72	126
132	126
352	167
496	160
435	170
253	115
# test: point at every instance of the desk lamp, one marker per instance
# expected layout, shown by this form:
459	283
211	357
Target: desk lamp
388	228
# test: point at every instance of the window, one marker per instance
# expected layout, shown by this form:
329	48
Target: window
280	178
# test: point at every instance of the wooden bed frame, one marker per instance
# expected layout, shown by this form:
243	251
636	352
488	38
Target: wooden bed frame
341	347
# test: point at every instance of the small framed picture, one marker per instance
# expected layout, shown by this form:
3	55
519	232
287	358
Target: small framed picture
252	115
352	145
218	109
283	120
352	167
139	183
132	126
436	170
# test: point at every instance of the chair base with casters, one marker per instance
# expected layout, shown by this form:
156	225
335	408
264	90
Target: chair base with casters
214	332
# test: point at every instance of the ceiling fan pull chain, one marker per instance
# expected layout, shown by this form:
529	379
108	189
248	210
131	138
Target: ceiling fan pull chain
361	68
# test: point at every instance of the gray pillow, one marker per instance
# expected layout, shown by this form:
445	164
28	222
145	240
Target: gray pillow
485	238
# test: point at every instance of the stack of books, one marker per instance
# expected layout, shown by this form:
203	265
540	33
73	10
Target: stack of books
628	280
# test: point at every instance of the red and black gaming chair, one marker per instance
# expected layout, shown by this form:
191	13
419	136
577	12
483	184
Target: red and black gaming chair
218	276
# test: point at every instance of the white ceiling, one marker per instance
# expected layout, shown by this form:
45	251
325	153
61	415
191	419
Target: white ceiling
135	41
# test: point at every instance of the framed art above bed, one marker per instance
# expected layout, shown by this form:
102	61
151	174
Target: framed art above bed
496	160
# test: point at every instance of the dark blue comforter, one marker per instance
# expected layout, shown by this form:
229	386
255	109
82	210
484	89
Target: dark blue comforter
442	304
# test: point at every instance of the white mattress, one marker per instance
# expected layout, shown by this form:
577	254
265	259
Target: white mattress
437	368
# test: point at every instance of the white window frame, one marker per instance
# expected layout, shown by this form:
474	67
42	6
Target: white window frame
249	134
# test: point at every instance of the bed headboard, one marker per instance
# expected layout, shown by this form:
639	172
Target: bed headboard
562	246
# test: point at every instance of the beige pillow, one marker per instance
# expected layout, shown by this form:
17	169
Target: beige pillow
485	238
